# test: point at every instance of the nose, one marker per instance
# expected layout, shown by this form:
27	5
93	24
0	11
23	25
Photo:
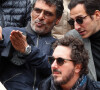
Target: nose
77	26
54	64
41	16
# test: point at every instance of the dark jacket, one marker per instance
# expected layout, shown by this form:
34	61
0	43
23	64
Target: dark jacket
90	85
15	13
24	72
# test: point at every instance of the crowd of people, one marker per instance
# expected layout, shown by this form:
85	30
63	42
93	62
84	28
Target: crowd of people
50	44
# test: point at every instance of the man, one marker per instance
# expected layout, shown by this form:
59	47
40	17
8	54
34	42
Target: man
85	16
23	66
69	64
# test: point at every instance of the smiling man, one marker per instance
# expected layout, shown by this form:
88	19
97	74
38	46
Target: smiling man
69	64
85	17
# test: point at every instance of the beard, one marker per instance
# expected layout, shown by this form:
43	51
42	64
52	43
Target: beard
40	31
65	79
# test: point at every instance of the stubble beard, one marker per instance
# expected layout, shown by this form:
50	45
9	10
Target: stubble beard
65	79
42	31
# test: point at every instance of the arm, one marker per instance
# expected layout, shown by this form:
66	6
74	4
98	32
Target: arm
35	58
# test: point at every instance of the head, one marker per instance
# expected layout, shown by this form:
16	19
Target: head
45	15
74	63
85	16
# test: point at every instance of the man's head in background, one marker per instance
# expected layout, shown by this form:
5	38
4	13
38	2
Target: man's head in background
85	16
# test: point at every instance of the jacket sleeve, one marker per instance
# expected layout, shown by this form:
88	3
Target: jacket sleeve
1	46
38	60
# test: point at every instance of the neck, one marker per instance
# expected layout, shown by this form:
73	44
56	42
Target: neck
70	84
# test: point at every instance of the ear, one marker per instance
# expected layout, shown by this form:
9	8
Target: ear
78	68
97	14
57	21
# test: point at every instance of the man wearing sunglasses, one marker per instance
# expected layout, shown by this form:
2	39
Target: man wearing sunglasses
69	64
85	17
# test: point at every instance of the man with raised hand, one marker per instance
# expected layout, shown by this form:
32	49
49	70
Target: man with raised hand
23	51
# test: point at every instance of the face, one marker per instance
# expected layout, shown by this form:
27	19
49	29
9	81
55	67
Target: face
43	17
64	73
89	25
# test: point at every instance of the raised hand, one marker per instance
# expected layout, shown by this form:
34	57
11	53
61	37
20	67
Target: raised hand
0	33
18	41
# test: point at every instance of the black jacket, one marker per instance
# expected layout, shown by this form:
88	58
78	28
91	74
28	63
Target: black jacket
15	13
91	85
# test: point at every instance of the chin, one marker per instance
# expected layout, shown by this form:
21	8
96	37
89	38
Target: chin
85	36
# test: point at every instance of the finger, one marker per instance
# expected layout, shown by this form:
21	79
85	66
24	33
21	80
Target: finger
0	33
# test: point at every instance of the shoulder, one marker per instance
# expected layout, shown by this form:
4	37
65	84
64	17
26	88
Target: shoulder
92	85
74	33
7	31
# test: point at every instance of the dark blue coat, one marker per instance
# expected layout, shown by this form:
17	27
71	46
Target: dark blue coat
25	72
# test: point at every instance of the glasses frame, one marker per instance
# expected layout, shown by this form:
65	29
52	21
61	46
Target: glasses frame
60	63
46	14
79	20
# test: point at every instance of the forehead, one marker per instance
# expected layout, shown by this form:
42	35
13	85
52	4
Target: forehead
42	5
62	51
78	10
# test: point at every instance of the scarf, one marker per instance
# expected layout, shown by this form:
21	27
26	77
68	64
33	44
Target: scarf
79	85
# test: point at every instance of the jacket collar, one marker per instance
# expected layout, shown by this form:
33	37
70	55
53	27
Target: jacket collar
79	85
29	30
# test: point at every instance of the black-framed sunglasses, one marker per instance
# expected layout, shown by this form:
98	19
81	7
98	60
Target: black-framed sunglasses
60	61
79	20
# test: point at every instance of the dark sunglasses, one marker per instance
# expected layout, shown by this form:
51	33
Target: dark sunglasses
60	61
79	20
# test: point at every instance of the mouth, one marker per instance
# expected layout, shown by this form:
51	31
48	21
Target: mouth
56	73
38	24
82	32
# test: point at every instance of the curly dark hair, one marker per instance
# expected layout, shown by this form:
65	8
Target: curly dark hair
79	54
57	3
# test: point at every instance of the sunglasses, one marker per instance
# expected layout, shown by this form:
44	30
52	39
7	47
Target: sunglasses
60	61
79	20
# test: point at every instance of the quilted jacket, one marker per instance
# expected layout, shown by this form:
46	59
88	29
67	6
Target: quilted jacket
15	13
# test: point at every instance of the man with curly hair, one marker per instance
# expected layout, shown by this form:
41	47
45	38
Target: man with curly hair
69	64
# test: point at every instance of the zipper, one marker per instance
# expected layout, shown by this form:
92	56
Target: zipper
37	44
11	77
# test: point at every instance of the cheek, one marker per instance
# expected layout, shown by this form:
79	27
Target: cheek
67	69
33	16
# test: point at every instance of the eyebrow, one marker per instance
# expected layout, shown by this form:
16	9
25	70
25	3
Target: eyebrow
44	10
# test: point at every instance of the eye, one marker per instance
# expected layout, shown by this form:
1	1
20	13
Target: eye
47	13
37	10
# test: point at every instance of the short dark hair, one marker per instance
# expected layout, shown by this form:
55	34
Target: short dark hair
57	3
90	5
79	54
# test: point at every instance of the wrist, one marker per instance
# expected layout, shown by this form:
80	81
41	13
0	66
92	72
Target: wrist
27	50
